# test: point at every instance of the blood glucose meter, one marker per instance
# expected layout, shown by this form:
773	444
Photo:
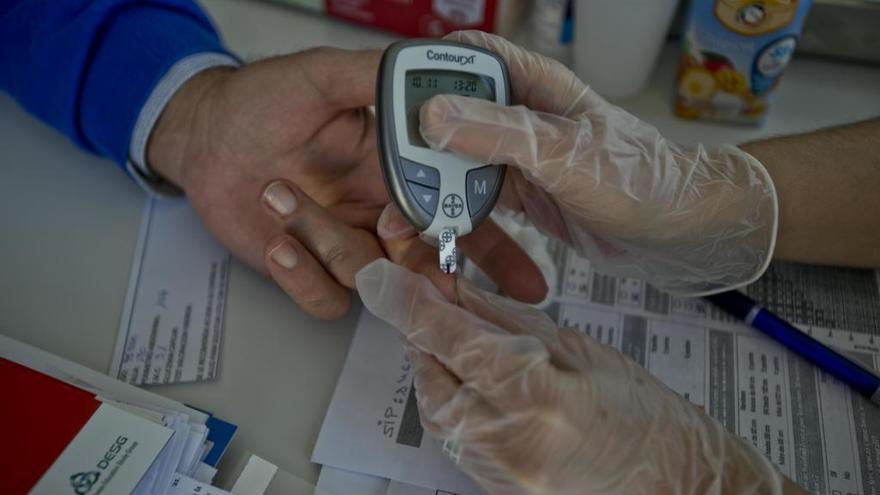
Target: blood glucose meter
442	194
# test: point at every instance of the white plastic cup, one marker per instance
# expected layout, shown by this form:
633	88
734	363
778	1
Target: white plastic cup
616	43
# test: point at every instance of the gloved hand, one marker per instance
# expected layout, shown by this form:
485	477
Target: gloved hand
531	409
689	219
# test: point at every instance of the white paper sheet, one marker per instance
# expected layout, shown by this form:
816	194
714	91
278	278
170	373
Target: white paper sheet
255	477
172	322
334	481
204	473
372	425
816	430
400	488
184	485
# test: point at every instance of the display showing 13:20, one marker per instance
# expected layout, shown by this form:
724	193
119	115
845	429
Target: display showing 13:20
465	86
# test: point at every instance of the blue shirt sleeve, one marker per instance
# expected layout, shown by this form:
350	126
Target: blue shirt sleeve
86	67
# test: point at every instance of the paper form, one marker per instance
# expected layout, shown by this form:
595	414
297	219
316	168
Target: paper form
816	431
172	322
398	488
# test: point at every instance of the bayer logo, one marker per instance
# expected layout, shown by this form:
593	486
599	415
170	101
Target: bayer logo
453	205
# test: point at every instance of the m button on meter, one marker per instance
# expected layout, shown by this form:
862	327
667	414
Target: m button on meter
481	185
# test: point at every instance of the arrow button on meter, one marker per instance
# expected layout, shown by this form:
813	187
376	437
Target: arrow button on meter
426	197
420	174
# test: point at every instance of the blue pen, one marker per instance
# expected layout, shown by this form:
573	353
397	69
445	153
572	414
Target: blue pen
844	369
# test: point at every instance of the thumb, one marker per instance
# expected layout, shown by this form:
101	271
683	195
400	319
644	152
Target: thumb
344	78
544	146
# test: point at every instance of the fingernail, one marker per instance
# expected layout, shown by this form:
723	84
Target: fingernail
284	255
393	225
280	198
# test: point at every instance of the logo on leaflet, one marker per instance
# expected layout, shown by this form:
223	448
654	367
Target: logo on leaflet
83	482
448	57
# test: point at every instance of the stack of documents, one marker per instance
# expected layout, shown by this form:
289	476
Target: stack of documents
814	429
172	322
69	429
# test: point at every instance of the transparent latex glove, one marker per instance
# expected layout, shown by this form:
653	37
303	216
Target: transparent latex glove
690	219
529	409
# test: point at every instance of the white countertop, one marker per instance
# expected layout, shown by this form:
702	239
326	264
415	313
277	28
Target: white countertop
70	223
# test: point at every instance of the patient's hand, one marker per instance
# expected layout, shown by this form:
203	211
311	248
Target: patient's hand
279	159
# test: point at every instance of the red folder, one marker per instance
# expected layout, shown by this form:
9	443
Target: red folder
39	416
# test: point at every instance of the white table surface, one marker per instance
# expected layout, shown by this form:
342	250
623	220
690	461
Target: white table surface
70	222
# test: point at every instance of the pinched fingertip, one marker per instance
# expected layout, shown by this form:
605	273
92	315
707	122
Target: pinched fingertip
393	225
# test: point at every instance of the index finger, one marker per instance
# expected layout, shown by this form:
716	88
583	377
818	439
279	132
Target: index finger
476	351
488	246
537	82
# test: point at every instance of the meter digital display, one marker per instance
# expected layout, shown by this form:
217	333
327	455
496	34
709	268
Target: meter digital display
421	85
